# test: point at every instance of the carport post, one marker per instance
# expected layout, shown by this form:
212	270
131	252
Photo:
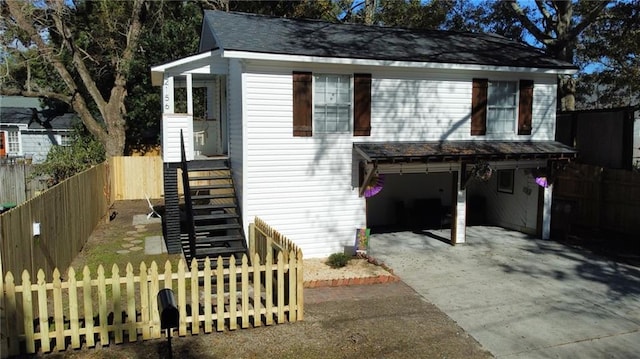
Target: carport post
546	212
461	211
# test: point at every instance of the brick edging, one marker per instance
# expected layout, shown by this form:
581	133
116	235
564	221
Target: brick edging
383	278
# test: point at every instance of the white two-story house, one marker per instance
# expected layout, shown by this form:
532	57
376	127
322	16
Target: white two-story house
451	129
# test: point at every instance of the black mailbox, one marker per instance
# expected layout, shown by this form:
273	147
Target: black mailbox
168	308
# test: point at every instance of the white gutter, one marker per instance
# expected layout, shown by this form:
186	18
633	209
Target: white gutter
389	63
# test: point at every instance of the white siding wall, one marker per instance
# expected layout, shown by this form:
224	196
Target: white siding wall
38	144
303	186
172	125
434	106
235	128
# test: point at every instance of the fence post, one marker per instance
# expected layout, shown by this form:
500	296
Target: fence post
10	316
252	240
4	332
300	285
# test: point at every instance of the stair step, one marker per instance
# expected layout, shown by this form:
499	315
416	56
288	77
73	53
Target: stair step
210	240
198	207
217	227
204	217
209	163
216	251
210	177
205	168
212	196
211	186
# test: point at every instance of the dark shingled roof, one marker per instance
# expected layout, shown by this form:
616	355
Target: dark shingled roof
264	34
463	150
37	119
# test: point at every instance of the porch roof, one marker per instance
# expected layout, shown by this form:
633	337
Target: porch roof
445	151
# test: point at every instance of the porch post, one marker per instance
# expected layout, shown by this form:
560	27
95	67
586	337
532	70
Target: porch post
189	80
461	212
546	212
167	94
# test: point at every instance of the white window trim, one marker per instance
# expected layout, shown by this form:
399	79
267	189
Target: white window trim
61	138
514	128
9	142
351	104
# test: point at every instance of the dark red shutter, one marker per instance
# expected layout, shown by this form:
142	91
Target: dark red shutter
479	107
525	107
302	104
362	104
3	151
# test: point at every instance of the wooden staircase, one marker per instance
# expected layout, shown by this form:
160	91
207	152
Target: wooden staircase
213	219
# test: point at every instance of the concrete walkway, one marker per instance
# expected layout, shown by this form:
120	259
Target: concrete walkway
522	297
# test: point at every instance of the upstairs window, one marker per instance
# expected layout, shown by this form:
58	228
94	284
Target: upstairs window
332	103
325	103
497	106
502	107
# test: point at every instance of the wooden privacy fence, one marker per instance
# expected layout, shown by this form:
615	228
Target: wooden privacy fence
99	308
593	197
17	184
66	213
136	177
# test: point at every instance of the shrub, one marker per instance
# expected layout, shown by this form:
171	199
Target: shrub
338	260
62	162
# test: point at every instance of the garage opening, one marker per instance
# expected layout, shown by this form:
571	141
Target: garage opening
413	201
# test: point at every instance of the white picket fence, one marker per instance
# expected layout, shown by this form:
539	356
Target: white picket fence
101	308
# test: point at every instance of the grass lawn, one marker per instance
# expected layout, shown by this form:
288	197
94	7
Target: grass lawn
120	242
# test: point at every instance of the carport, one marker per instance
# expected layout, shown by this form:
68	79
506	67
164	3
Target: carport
438	176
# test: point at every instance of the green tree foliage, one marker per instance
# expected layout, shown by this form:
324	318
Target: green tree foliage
413	13
613	45
65	161
172	32
553	25
79	52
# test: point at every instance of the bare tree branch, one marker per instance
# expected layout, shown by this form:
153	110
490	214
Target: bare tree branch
589	18
541	36
36	93
82	69
543	10
16	9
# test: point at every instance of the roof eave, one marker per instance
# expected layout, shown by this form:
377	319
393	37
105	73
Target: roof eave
248	55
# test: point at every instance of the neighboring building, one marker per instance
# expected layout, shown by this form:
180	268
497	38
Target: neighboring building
608	137
30	133
311	114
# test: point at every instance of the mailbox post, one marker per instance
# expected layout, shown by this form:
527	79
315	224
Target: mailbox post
169	314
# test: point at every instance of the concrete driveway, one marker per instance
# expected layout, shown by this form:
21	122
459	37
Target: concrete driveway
522	297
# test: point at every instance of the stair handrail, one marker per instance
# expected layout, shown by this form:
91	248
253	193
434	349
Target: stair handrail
188	203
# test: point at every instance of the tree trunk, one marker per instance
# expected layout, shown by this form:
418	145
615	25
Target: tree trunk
566	93
114	114
563	49
115	144
369	11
